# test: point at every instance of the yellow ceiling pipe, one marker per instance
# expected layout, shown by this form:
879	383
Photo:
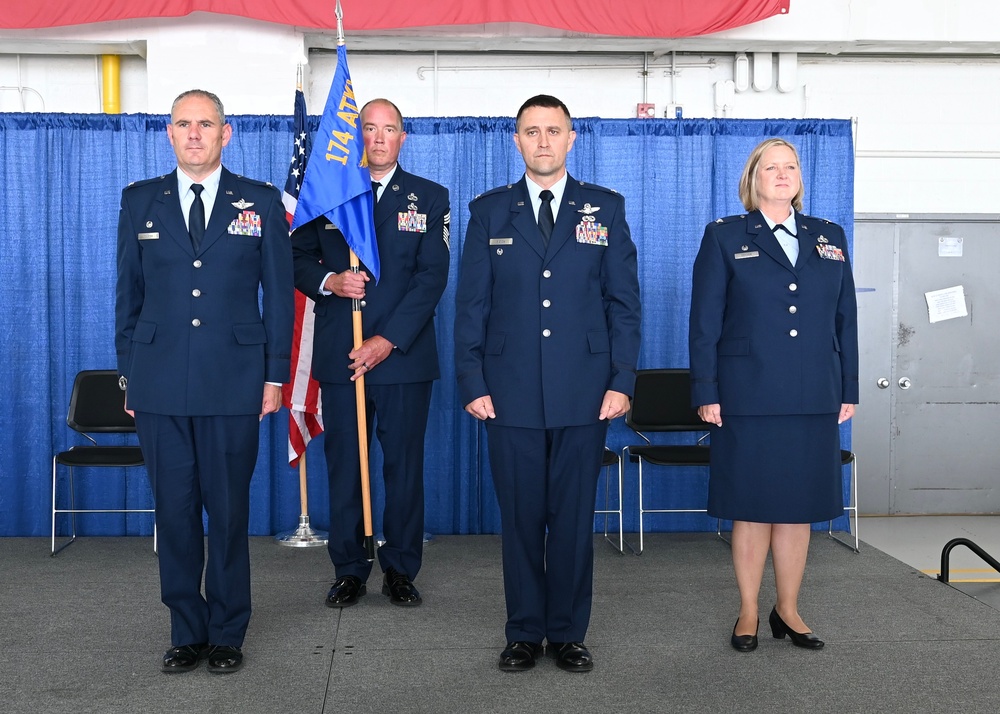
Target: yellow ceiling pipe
111	77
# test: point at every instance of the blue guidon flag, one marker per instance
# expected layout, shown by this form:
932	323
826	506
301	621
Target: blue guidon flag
337	183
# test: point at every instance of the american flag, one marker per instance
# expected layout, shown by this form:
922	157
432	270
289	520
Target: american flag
301	394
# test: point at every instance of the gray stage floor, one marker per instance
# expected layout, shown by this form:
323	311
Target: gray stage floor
84	631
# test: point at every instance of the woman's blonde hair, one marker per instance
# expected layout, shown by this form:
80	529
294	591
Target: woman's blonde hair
748	181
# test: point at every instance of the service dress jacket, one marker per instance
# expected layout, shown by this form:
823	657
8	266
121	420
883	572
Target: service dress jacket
412	224
767	337
546	332
192	334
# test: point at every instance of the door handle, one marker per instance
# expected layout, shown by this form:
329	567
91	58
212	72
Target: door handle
904	382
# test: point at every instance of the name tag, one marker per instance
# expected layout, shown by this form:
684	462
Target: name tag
748	254
149	236
501	241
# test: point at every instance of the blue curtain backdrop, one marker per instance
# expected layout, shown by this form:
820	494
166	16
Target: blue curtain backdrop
61	177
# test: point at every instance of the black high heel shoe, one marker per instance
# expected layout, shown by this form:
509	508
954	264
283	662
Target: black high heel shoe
800	639
744	643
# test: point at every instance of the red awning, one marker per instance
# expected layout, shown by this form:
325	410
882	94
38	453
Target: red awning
623	18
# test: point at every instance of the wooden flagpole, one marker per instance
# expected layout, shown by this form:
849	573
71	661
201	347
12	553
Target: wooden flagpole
359	383
359	392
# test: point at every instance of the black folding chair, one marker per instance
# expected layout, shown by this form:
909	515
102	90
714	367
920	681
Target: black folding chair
608	461
851	509
97	406
662	403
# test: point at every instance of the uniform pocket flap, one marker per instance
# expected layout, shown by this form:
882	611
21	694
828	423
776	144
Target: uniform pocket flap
734	347
494	343
144	332
250	334
599	341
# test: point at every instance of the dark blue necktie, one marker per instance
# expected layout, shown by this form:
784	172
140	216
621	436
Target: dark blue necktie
376	185
792	250
545	219
196	217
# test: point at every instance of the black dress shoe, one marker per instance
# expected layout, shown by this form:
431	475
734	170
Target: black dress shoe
520	656
183	659
224	659
744	643
345	592
800	639
572	656
399	589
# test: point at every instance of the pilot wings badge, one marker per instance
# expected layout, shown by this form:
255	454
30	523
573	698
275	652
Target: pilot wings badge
241	204
588	212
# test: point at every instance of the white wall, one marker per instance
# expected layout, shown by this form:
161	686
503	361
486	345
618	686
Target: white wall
921	78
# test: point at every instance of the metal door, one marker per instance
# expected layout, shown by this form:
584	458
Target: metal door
927	433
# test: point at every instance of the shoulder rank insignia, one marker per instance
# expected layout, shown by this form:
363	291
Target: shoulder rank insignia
241	204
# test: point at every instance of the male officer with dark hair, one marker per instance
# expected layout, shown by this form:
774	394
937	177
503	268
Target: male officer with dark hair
201	365
398	358
546	345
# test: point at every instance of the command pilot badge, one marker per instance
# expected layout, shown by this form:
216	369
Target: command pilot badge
241	204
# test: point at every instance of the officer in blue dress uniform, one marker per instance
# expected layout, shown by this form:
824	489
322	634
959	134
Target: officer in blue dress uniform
398	358
201	364
546	344
774	369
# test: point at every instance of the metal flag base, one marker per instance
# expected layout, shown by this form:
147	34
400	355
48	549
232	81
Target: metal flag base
303	536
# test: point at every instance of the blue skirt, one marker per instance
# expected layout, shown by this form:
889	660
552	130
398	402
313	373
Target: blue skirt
776	469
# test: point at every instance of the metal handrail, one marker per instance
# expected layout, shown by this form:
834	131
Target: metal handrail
946	553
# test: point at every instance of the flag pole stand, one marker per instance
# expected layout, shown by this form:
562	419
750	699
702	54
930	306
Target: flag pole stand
303	536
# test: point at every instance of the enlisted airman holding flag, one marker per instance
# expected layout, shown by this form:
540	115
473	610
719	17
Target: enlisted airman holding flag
385	373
